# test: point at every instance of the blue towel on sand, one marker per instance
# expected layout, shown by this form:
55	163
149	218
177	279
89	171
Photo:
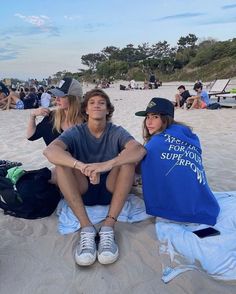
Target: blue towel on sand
133	211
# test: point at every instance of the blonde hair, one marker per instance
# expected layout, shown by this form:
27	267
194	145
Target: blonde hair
73	115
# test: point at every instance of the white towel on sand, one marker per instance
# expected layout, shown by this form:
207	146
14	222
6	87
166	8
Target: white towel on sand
214	255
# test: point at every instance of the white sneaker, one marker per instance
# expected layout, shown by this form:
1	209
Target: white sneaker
107	248
85	253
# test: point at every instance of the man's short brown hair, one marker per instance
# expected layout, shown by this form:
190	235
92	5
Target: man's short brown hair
93	93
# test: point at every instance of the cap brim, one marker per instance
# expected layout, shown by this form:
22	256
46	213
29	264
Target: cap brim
141	113
56	92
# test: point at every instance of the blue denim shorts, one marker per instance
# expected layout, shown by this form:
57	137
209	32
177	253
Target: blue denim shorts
97	194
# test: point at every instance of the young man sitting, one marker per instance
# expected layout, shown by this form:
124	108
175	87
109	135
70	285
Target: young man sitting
201	100
95	164
182	96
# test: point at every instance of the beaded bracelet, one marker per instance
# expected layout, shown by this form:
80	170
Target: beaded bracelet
109	216
32	115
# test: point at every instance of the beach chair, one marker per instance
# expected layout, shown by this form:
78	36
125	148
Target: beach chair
219	87
225	95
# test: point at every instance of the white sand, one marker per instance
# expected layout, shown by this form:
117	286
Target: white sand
34	258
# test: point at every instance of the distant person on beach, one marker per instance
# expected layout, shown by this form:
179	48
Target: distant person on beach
173	178
182	96
49	81
145	85
95	164
4	92
40	92
132	85
46	99
13	95
67	114
201	100
26	90
22	93
13	101
153	81
31	100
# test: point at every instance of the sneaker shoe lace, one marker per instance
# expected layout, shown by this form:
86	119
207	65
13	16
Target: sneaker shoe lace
107	249
106	240
87	241
85	253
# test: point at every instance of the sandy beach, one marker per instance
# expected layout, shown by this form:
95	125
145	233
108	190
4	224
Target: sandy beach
35	258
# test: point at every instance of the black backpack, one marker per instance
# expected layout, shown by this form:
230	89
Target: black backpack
32	197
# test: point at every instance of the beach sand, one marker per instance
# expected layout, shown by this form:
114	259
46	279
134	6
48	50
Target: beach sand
35	258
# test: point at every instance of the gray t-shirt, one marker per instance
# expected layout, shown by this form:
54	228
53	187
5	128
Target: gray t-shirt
85	147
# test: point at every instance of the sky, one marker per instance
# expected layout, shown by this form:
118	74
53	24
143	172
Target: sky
40	38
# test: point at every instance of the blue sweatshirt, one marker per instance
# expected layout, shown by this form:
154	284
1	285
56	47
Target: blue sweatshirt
174	181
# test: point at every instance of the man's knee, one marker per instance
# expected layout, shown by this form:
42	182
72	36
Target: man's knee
128	166
62	169
128	171
177	97
124	172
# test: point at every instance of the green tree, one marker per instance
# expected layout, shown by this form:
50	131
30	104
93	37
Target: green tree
144	51
91	60
186	50
114	68
60	75
161	50
187	41
111	52
129	54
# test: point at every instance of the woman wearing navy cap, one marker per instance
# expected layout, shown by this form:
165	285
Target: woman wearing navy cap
174	181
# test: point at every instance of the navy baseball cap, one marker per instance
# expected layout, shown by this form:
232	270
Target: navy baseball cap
159	106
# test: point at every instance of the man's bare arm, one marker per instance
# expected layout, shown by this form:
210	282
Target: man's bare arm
132	153
56	153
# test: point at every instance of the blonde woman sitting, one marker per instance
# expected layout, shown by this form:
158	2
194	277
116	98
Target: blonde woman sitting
66	114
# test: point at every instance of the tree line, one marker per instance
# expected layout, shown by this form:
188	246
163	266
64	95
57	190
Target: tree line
137	62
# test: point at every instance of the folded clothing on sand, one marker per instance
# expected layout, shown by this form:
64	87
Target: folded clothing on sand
7	164
182	250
